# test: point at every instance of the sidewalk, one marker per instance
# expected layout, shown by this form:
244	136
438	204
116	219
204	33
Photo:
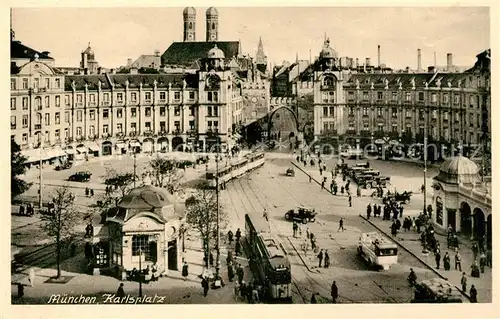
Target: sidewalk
411	241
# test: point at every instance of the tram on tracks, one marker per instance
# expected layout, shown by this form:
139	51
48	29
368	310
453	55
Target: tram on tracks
235	169
272	267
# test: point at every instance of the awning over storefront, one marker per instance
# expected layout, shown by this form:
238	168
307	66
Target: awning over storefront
135	144
33	155
81	149
93	147
120	145
69	151
55	152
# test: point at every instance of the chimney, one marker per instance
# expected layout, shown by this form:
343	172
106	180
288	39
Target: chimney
367	61
157	53
419	60
449	61
378	55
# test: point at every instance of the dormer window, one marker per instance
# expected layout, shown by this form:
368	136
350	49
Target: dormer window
328	82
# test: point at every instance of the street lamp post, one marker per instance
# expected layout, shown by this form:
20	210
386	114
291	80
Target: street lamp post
425	162
217	265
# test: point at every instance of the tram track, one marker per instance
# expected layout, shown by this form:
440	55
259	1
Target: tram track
385	298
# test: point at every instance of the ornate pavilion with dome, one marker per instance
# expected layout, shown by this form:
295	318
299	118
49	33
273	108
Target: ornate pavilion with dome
146	224
462	199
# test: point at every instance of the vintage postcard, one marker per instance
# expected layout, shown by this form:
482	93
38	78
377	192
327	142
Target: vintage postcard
251	155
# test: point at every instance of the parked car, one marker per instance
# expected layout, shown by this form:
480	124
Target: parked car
301	214
64	165
80	177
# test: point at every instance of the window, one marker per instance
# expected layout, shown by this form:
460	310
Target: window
177	111
445	115
478	120
162	111
92	99
434	98
379	111
47	136
421	114
47	83
351	110
209	111
421	96
446	133
58	83
366	126
457	117
66	100
105	97
12	122
79	115
407	96
47	101
210	124
365	111
351	126
394	128
456	99
162	96
119	97
445	98
38	103
12	84
216	111
177	96
47	118
434	114
162	126
148	96
25	84
119	128
119	113
78	131
380	95
332	111
79	99
177	125
57	118
191	111
133	112
365	96
213	96
408	129
325	111
105	129
141	245
58	101
394	112
408	113
471	101
380	127
133	126
216	124
105	114
191	95
66	117
325	126
147	112
13	103
133	97
471	119
25	121
25	103
66	132
92	130
92	114
25	138
191	125
36	84
394	96
148	126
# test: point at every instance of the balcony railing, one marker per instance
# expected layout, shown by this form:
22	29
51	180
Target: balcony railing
38	126
149	133
105	135
163	132
177	131
132	134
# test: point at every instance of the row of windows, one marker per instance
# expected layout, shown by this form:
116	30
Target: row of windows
434	97
394	113
47	83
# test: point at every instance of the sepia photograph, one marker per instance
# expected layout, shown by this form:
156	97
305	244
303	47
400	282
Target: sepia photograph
250	155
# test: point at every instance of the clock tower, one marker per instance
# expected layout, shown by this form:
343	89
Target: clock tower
189	24
212	25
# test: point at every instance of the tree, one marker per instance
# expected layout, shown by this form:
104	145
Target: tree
120	183
165	172
60	221
17	186
201	215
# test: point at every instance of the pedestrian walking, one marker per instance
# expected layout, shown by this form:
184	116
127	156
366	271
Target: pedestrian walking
341	224
463	281
310	178
446	261
482	261
322	184
475	249
185	271
473	294
320	258
237	248
237	288
335	189
458	263
438	259
211	259
204	284
368	211
334	292
230	236
230	272
32	277
239	273
120	292
238	234
350	200
320	171
294	228
358	191
91	192
327	259
342	190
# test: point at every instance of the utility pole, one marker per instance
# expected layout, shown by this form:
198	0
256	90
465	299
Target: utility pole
135	166
426	115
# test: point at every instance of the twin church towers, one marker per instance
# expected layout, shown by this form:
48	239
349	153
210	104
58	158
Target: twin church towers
212	24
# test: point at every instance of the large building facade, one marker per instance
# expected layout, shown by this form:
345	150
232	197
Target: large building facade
361	107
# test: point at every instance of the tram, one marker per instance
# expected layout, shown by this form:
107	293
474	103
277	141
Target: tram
271	264
235	168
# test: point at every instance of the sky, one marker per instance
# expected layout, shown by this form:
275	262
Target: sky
118	33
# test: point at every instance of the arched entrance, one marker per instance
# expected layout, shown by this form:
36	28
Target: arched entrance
489	229
107	148
269	122
163	144
148	145
177	144
479	223
465	219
